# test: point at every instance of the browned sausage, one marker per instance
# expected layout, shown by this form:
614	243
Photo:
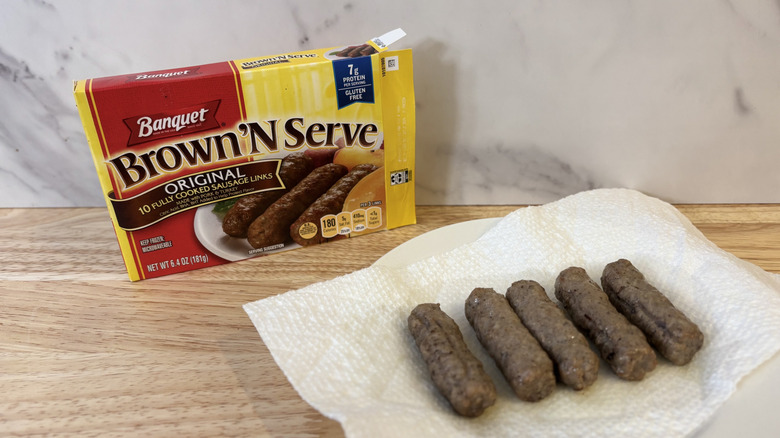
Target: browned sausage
576	362
668	329
293	169
329	203
620	343
518	355
273	226
455	371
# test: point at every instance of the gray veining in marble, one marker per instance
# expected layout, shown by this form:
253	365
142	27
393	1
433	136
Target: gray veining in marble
517	101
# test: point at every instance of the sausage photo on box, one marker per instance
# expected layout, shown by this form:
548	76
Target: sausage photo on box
293	169
331	202
273	226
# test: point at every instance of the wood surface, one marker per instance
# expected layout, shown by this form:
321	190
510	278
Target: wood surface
86	352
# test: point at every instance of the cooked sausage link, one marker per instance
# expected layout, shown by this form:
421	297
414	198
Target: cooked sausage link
518	355
273	226
675	336
576	362
620	343
331	202
293	169
455	371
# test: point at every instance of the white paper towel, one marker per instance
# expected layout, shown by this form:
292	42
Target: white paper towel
345	347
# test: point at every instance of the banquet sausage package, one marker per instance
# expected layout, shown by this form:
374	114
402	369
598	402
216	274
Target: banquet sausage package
216	163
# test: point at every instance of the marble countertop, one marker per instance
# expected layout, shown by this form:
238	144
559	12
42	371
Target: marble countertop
517	102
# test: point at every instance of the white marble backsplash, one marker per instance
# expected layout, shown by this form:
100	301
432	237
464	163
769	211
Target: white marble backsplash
518	101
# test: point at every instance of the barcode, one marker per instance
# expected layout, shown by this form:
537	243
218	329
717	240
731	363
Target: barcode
399	177
379	43
391	63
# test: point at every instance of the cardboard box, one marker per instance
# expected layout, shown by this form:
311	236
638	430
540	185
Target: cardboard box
182	153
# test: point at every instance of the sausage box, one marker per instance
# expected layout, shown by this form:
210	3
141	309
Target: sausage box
175	150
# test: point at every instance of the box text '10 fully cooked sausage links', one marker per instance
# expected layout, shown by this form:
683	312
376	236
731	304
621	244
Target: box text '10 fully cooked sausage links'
215	163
